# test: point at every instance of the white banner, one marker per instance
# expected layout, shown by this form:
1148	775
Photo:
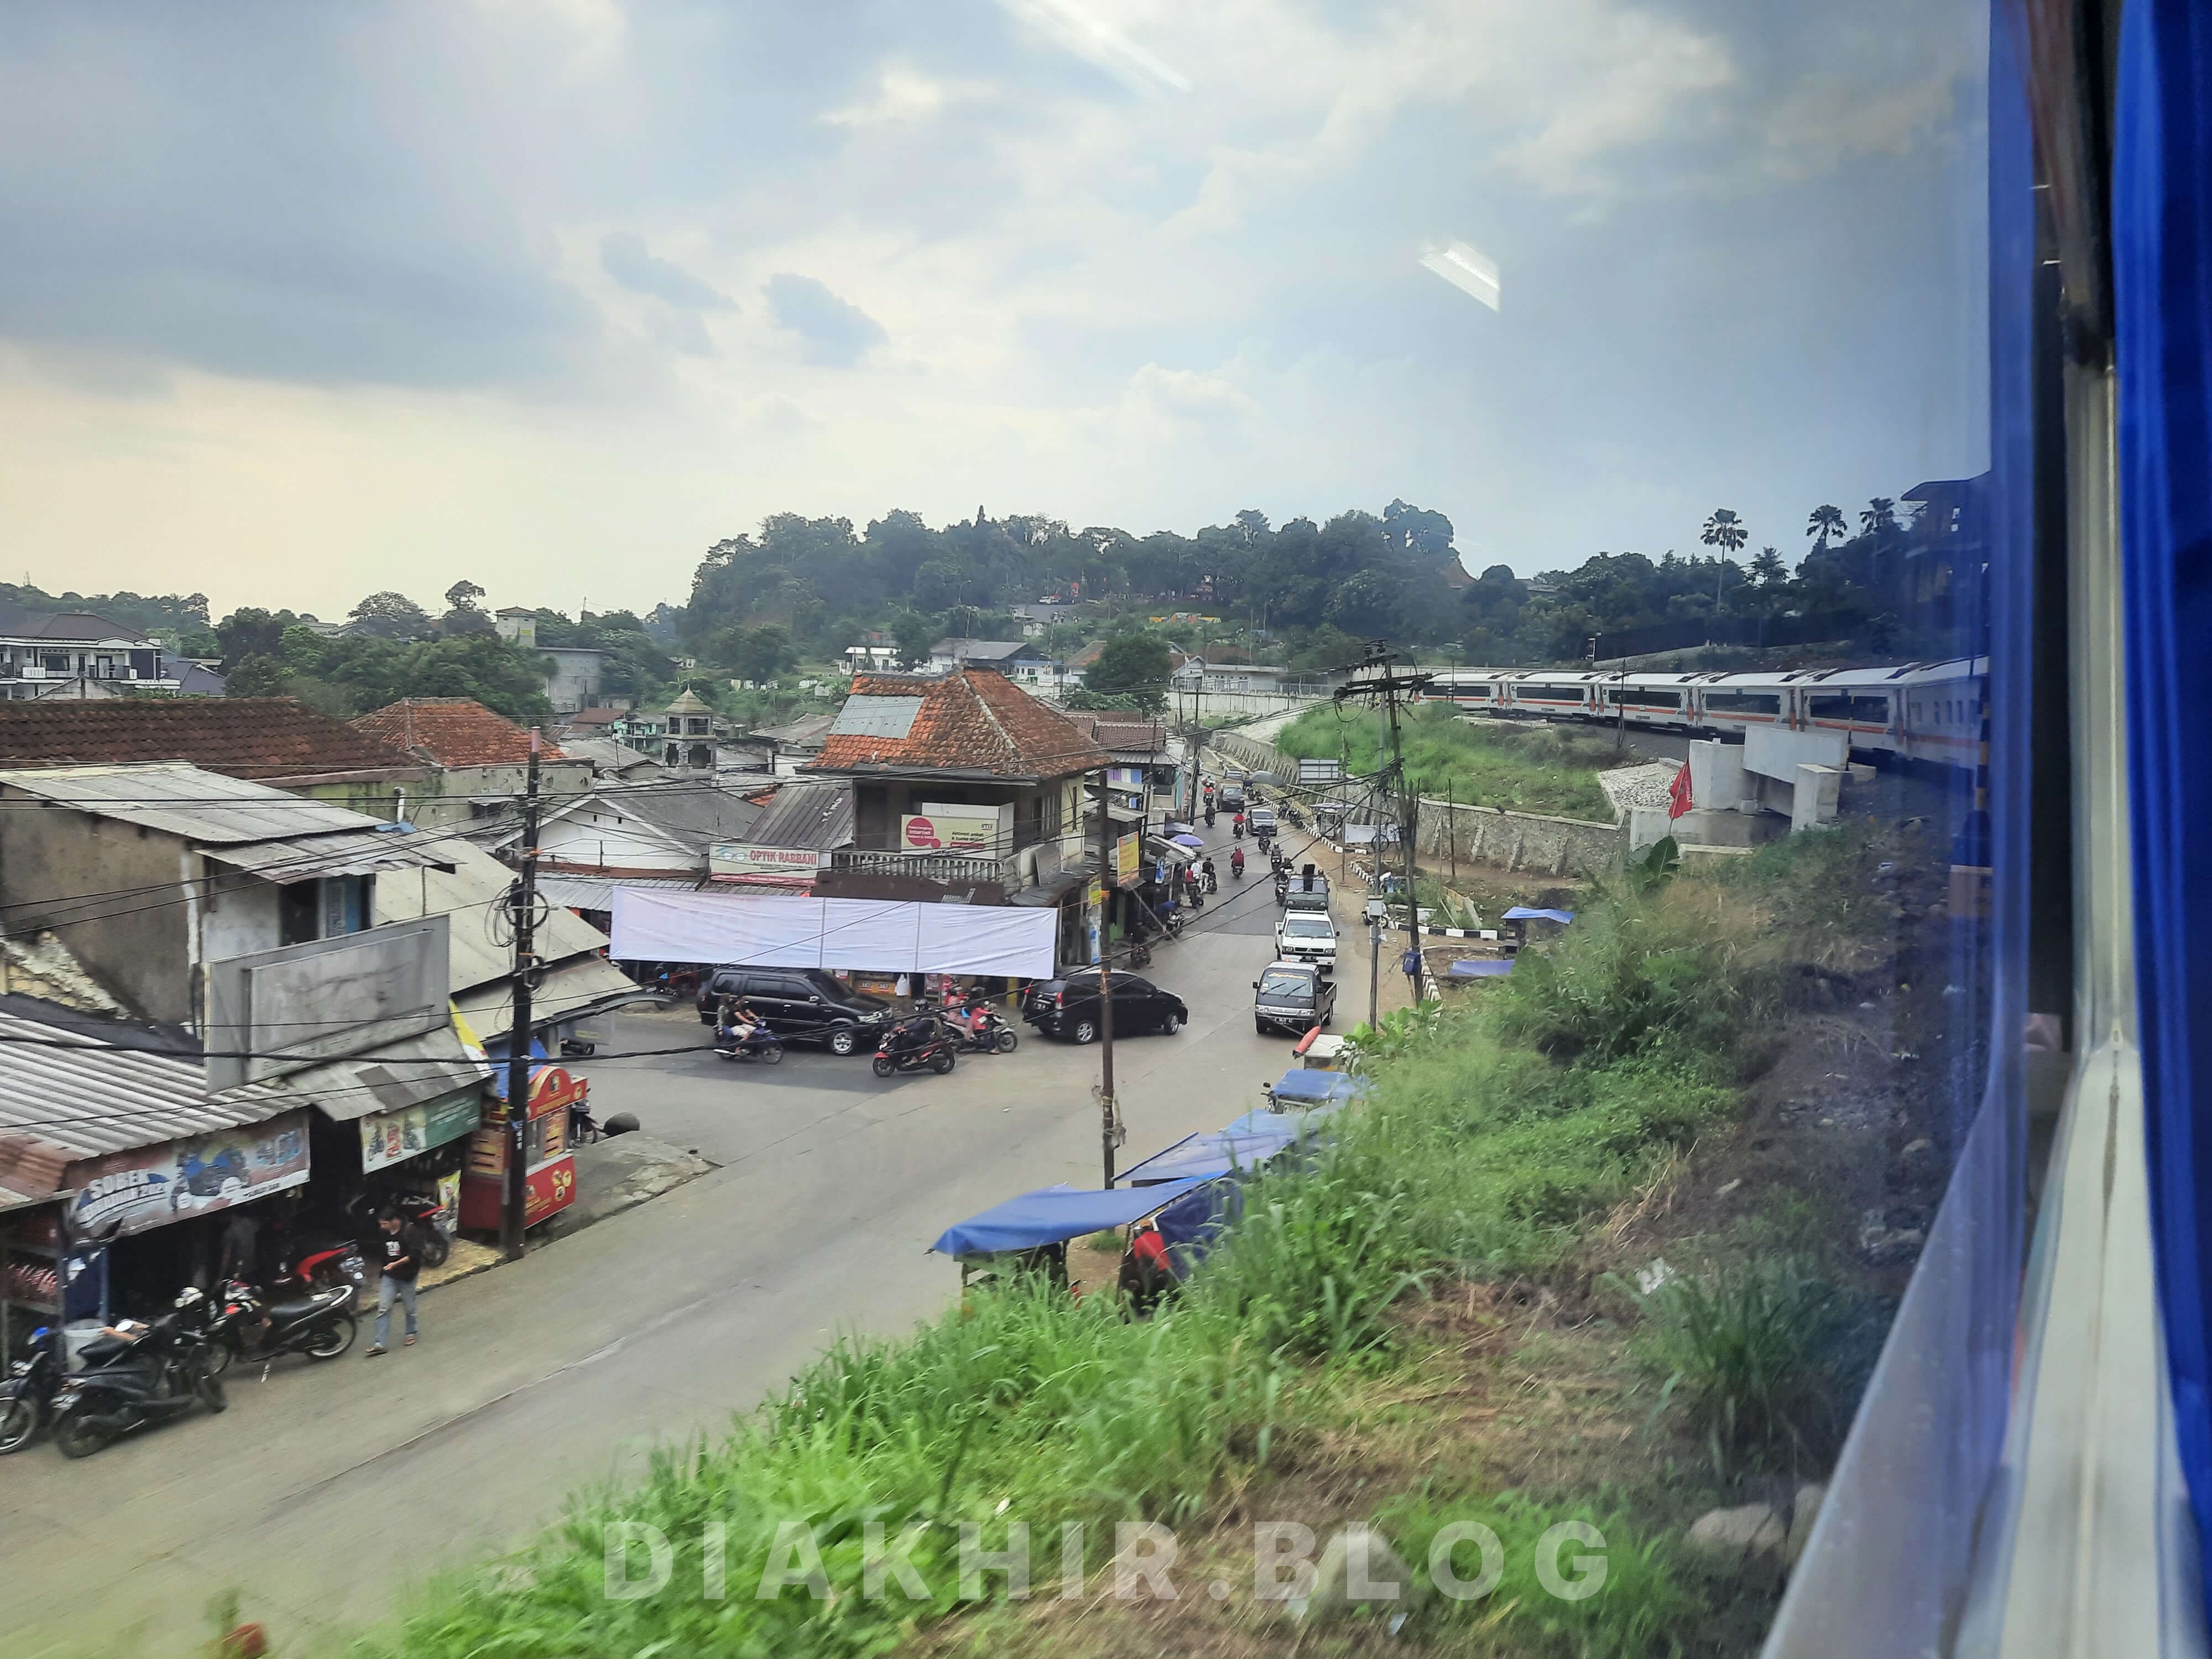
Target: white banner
668	924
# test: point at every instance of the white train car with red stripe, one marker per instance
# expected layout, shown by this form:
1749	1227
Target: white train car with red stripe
1924	711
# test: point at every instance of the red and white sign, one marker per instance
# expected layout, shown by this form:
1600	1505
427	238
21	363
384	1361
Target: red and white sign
951	832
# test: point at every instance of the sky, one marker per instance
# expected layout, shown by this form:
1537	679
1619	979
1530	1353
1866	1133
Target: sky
299	302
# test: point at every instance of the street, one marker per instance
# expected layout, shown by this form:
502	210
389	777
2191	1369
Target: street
323	1491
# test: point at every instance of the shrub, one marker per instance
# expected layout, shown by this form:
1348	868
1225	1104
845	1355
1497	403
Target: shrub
1751	1355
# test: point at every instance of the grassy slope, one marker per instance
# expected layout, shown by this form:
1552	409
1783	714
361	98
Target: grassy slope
1317	1342
1532	769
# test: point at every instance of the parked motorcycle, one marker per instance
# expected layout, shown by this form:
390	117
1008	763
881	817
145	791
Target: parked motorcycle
764	1046
132	1383
912	1044
27	1394
584	1129
249	1323
323	1261
991	1035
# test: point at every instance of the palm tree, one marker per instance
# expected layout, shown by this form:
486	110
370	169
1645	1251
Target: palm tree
1724	531
1881	515
1825	521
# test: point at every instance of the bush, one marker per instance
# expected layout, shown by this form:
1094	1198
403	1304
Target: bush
1752	1356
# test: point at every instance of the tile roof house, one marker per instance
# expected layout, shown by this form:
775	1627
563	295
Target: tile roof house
453	732
483	761
968	749
274	740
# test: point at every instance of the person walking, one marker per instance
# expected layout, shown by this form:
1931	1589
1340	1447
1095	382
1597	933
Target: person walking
400	1249
1410	965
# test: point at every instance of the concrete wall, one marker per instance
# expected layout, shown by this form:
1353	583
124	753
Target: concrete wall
1518	841
1482	835
445	802
575	680
142	947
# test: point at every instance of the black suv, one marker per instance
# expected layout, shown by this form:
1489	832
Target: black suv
1069	1008
800	1005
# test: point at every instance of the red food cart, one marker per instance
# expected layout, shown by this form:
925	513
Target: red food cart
548	1170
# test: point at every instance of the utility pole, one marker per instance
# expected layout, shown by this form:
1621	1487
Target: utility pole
1109	1114
517	1041
1374	969
1388	686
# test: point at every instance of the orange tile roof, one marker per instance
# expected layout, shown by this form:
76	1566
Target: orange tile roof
453	732
262	739
971	720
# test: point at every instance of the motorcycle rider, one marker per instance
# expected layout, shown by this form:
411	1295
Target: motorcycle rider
1237	824
739	1023
1212	882
1236	862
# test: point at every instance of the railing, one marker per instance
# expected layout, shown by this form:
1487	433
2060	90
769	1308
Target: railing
952	868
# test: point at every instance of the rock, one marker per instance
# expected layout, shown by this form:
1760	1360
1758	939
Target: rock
1729	1188
1650	1279
1803	1512
1919	1148
1744	1543
1383	1571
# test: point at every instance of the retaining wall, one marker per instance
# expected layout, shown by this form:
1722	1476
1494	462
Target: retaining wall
1483	835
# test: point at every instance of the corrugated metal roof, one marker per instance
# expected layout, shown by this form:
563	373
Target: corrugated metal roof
468	893
182	800
596	892
90	1098
564	993
348	853
818	816
409	1072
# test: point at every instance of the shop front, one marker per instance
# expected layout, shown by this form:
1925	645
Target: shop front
156	1216
549	1168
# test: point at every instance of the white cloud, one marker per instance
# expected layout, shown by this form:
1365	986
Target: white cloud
1183	394
902	94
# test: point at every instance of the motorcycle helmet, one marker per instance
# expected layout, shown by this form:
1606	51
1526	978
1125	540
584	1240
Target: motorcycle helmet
191	1295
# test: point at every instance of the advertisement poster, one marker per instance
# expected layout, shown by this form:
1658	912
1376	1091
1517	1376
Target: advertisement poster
1126	851
388	1138
152	1186
950	832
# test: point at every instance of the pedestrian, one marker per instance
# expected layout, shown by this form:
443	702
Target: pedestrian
400	1248
1411	964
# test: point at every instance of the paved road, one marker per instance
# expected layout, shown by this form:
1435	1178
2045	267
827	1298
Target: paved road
320	1490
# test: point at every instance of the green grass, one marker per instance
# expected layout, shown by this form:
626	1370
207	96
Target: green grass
1531	768
1499	1132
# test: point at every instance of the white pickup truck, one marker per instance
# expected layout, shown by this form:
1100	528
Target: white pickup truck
1307	935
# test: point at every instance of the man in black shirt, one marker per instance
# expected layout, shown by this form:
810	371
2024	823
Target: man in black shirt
399	1252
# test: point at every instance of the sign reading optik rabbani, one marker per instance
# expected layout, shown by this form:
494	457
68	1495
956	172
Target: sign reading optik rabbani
739	859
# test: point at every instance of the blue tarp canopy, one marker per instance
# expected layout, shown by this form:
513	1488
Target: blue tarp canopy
1205	1156
1300	1124
1053	1215
1522	913
1481	968
1299	1083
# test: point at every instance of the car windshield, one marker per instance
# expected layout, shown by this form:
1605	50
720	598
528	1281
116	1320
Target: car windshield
1277	985
1308	926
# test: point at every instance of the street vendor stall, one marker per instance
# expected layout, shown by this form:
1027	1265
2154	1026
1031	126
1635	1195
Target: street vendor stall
548	1170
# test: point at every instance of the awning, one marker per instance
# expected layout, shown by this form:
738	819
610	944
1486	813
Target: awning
1201	1157
582	987
414	1072
1046	894
1053	1216
1480	968
1308	1086
1522	913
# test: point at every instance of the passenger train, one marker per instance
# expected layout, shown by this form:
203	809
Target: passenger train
1923	711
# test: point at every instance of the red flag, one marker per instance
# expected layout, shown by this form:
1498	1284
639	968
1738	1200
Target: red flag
1678	793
